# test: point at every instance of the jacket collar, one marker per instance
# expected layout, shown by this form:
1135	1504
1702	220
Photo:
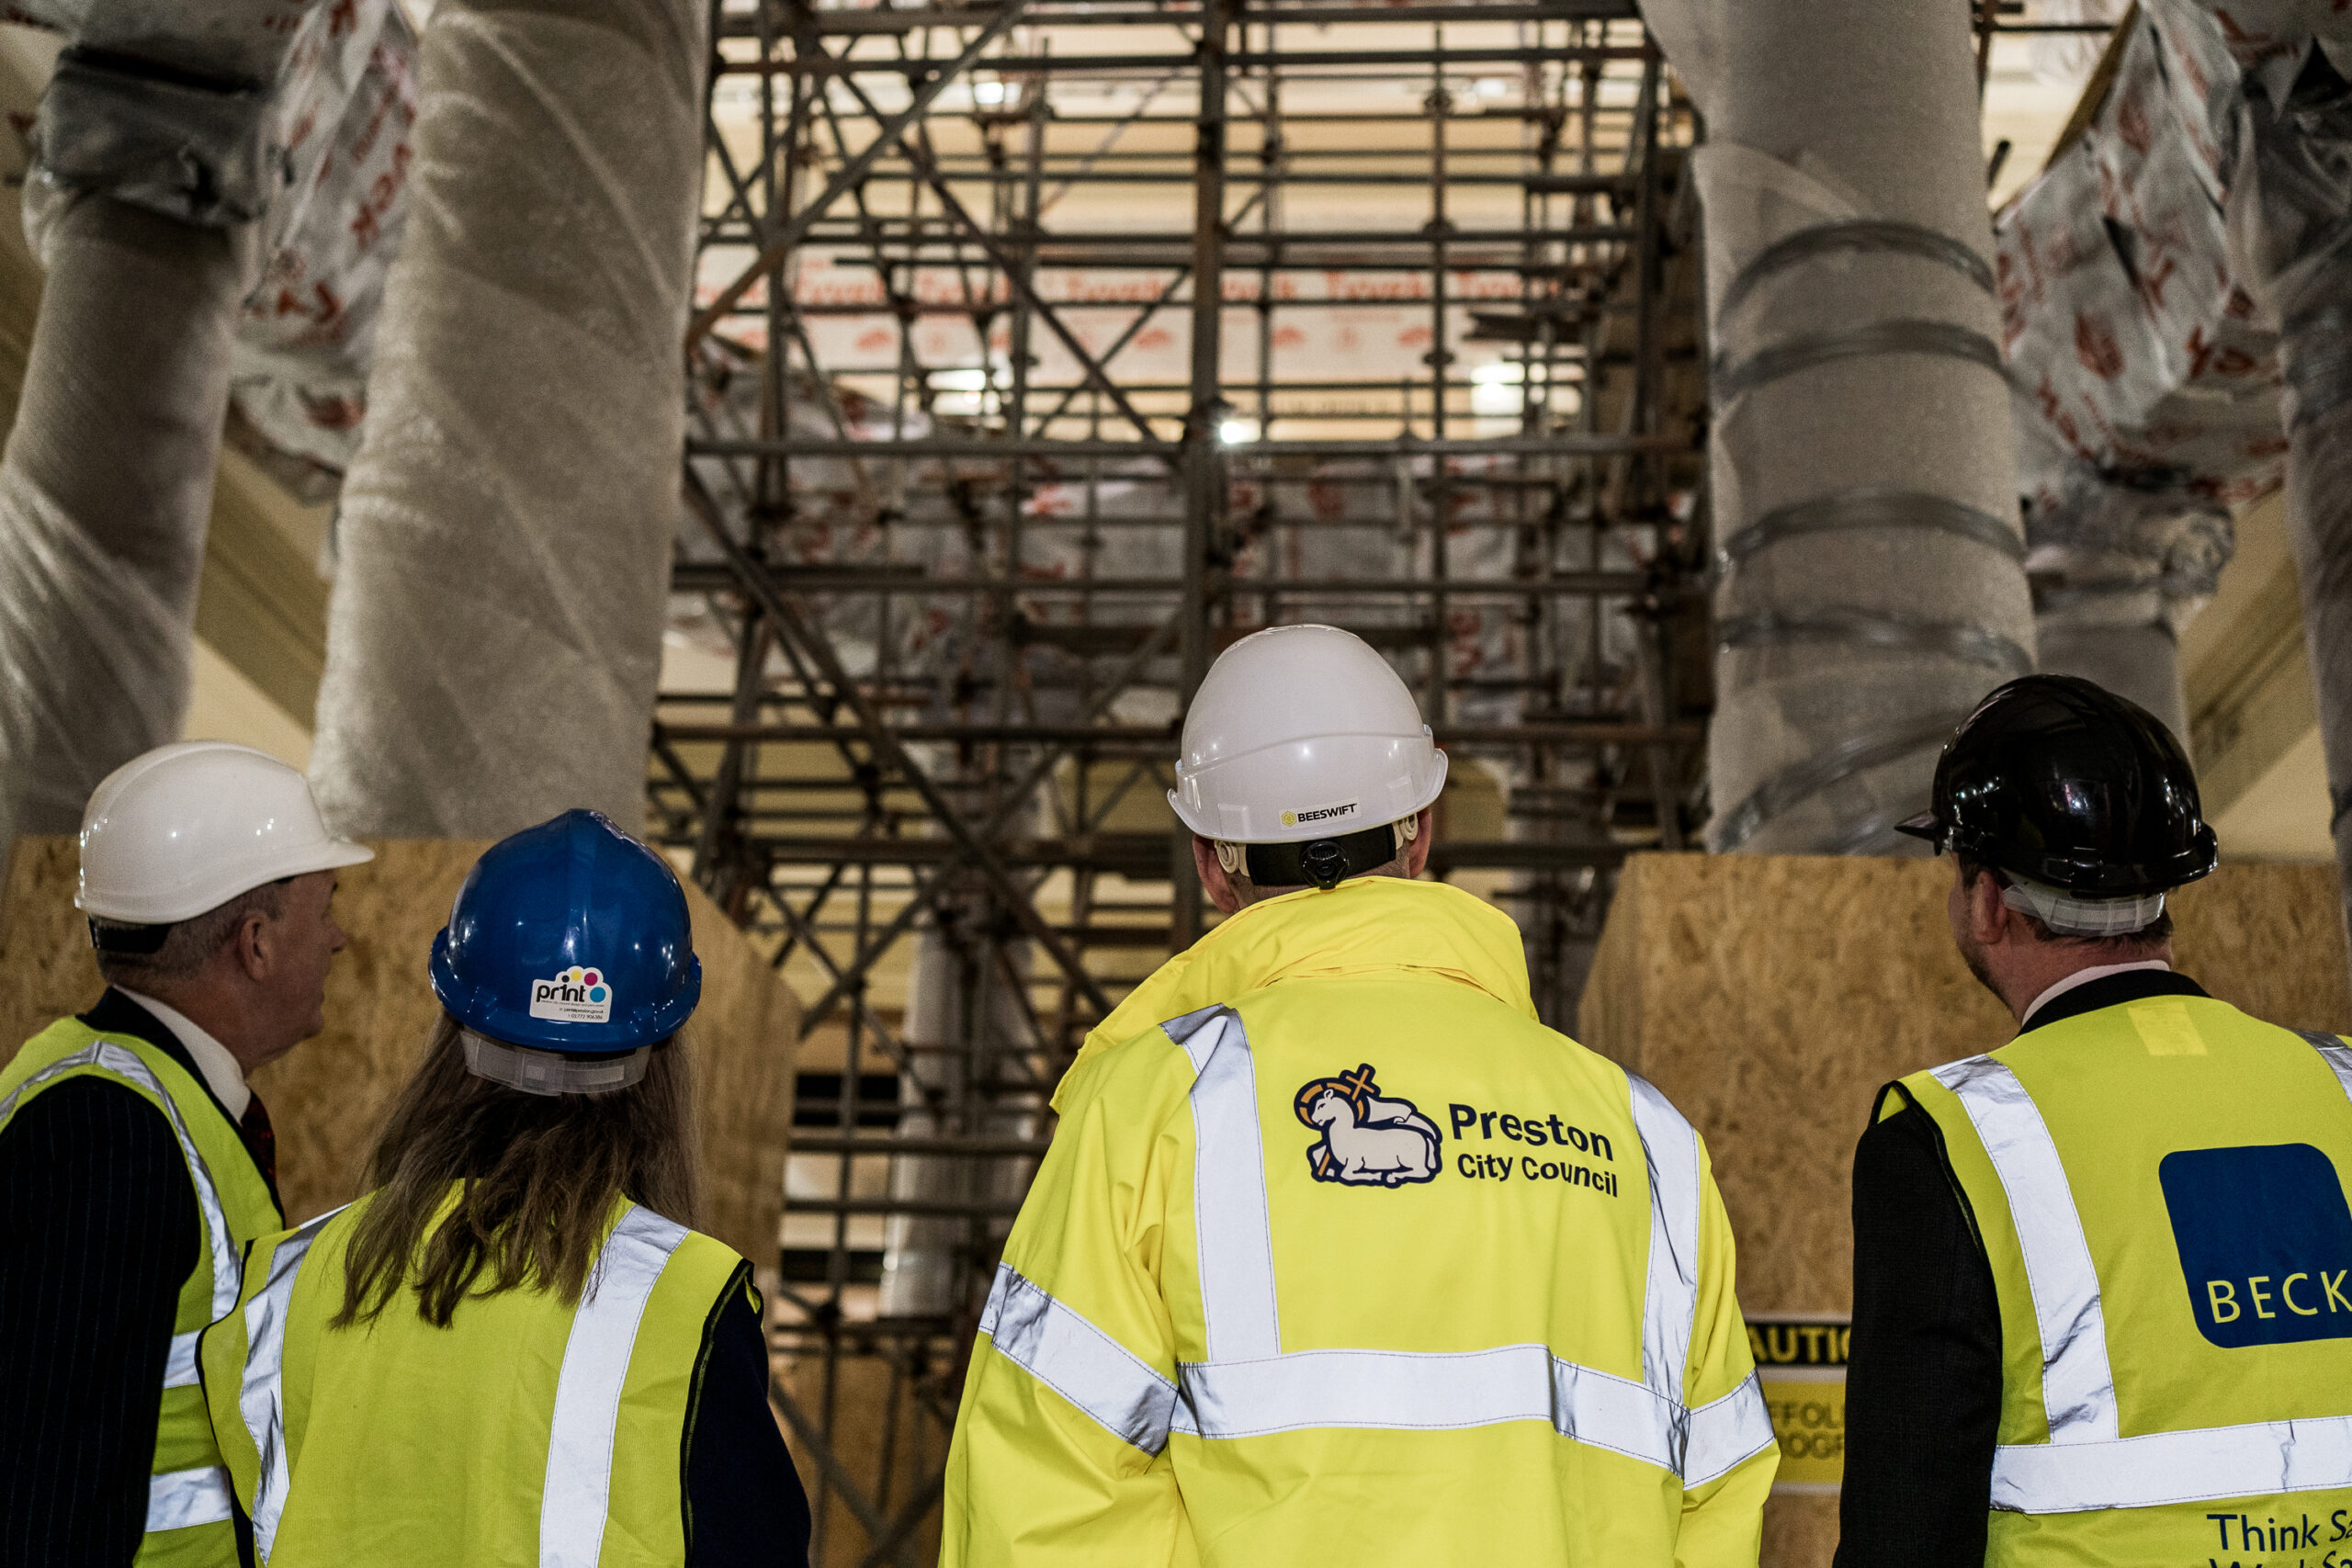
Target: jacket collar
2111	990
1369	926
117	1013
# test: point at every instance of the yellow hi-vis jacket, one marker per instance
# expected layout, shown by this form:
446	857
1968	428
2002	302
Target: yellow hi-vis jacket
188	1509
1340	1256
2160	1187
525	1432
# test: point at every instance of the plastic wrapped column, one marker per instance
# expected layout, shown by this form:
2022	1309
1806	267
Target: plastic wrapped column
2292	222
495	632
1864	481
105	491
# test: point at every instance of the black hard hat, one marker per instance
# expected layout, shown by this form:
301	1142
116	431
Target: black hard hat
2061	781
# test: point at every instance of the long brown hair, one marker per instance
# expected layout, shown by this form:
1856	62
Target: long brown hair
540	1175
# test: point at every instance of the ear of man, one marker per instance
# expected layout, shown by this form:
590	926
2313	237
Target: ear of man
232	933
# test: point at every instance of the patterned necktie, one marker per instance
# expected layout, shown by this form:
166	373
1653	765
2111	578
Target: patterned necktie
260	1139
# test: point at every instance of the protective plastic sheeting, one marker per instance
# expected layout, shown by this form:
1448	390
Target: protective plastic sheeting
2292	222
292	117
495	632
2145	379
104	490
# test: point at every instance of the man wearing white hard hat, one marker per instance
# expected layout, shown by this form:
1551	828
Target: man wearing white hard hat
135	1162
1337	1253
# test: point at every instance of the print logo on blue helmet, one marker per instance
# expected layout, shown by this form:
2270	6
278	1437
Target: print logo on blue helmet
2265	1243
578	995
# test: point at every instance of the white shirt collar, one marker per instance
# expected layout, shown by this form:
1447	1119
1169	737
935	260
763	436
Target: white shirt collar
222	1073
2085	977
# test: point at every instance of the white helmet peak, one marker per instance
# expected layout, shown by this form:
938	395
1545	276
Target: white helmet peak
186	827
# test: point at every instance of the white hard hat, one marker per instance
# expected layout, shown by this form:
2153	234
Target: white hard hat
1299	733
185	828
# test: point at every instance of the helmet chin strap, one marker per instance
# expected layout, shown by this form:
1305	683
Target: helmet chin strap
551	1072
1321	864
2072	916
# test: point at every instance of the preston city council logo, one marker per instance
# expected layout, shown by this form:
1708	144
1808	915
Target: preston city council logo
1365	1139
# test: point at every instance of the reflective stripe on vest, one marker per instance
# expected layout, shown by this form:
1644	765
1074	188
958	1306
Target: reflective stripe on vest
179	1361
1230	1209
2087	1465
1238	1394
124	1063
179	1499
2077	1386
576	1497
1670	1298
261	1396
2336	1053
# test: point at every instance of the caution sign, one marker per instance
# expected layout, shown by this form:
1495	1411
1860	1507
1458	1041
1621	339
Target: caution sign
1801	1361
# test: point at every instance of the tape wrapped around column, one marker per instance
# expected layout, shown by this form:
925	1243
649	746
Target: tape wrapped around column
1952	639
1852	235
1873	506
1850	755
1790	355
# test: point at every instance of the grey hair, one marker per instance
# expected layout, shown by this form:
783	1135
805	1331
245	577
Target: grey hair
188	945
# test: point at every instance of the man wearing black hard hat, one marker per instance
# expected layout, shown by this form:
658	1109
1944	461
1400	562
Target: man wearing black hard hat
2103	1274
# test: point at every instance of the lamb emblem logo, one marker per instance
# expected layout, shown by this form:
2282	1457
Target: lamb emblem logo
1367	1141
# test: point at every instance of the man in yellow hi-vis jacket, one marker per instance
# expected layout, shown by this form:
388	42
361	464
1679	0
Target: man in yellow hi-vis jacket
1339	1254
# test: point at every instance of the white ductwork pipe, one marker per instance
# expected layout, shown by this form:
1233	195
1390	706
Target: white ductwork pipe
1863	469
504	542
104	491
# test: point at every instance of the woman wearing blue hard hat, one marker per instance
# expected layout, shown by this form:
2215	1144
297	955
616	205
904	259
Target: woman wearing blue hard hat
513	1349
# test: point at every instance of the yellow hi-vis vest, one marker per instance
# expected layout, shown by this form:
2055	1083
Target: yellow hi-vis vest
189	1510
525	1432
2160	1187
1338	1256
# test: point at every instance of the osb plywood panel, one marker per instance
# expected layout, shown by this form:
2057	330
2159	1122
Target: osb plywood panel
890	1455
2268	938
1801	1531
328	1098
1770	997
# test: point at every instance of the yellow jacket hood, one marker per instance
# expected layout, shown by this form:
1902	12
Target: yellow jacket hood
1372	925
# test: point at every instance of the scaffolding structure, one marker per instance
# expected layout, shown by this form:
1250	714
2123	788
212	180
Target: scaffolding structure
1042	349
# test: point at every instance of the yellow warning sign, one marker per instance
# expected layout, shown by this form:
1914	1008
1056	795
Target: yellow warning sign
1801	1361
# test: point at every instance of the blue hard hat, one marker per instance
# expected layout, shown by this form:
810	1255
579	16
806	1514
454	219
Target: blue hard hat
570	936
